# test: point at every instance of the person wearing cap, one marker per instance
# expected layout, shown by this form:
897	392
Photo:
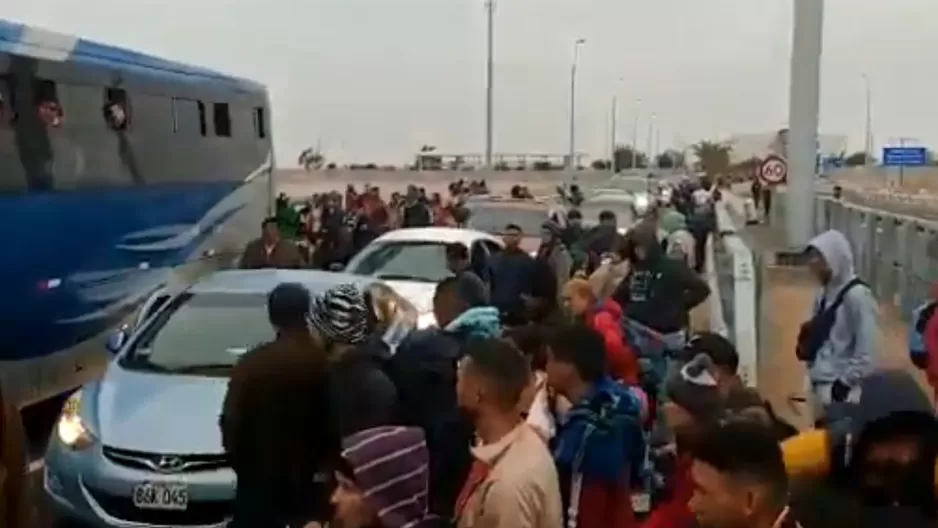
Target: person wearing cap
277	422
740	401
692	404
382	481
363	393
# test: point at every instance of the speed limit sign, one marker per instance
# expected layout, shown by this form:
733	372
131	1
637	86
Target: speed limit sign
774	170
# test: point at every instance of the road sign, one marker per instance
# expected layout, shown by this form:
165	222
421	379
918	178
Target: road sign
905	156
774	170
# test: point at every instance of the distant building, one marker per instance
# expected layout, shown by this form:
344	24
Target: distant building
759	145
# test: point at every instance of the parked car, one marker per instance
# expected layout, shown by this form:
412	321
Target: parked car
413	260
141	446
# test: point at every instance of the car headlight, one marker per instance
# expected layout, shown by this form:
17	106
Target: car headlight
427	320
70	428
641	204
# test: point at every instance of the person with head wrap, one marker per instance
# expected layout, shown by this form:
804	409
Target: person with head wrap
693	403
364	395
382	481
679	243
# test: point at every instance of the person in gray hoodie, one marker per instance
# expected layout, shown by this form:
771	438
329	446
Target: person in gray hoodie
844	356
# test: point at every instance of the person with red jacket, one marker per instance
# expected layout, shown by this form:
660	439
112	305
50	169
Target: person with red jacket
604	316
599	447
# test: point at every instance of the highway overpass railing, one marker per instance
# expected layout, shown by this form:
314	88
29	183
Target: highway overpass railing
896	254
738	277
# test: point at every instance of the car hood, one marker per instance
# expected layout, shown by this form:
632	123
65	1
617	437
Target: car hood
160	413
420	294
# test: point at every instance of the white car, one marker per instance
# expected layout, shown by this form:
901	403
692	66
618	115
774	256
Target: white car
413	261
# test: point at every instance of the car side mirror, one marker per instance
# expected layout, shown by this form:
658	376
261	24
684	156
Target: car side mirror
336	266
117	340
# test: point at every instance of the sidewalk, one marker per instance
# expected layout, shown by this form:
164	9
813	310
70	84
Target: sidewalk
787	296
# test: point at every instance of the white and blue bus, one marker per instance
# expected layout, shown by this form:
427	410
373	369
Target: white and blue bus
119	172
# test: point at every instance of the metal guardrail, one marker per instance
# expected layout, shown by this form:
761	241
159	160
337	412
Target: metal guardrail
741	287
896	254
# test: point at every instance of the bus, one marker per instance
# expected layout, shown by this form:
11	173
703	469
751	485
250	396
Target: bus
120	173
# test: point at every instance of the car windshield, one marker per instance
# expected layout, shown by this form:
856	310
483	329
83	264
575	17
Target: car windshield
403	260
493	219
202	333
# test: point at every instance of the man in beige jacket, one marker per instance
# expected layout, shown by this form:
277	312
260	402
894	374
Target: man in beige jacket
513	482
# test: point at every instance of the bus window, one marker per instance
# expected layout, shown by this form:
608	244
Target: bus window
260	126
47	103
116	109
222	119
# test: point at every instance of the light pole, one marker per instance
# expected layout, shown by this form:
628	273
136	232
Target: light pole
615	124
638	107
651	135
803	108
576	57
868	137
489	74
612	135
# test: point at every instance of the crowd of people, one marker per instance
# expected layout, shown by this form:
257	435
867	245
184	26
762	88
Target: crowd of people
572	395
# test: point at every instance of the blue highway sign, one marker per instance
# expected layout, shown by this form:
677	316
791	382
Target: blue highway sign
905	156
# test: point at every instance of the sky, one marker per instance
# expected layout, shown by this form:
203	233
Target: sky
372	80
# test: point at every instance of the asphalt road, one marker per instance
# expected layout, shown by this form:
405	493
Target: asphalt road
40	419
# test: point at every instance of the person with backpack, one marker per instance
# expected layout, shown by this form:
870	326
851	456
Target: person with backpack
424	373
599	448
923	338
838	342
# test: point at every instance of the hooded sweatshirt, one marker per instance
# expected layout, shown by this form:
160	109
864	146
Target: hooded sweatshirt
824	463
847	355
679	242
424	371
391	465
659	292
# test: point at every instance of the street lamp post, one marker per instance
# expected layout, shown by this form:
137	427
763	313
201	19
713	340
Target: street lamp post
803	109
489	74
651	136
612	135
868	137
571	162
638	106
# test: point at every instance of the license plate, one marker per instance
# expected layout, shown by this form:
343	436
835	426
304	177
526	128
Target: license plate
641	502
161	496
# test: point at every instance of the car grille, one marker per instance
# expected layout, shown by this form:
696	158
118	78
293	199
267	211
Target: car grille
165	463
198	513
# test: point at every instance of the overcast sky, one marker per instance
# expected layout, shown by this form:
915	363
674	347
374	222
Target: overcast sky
374	79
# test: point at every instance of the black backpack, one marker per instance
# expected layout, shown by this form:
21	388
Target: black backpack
816	331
